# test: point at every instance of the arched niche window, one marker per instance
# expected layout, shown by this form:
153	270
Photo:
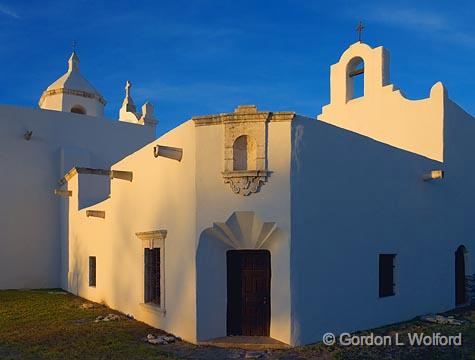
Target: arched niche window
355	79
461	272
244	153
78	109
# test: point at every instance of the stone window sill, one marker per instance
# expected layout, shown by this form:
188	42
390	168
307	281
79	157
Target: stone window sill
241	173
153	308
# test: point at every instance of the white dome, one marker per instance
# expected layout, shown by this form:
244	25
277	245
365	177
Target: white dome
73	79
73	87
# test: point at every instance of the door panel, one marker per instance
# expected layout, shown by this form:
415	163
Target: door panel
248	292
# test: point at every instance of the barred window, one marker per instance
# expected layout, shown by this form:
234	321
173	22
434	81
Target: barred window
92	271
152	275
386	274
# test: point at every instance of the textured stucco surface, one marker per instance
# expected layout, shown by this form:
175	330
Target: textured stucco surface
30	224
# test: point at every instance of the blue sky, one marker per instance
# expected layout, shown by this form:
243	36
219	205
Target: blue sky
199	57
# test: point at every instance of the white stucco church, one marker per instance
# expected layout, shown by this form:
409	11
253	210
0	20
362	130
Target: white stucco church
252	222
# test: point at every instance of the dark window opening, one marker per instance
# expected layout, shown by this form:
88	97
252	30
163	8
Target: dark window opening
152	276
244	153
92	271
77	109
460	286
386	274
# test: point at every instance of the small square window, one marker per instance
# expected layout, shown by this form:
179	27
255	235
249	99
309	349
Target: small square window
386	274
92	271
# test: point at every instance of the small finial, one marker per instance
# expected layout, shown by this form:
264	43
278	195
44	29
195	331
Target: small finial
360	29
128	103
73	62
128	85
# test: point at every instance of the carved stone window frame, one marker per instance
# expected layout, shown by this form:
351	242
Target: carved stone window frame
152	240
245	120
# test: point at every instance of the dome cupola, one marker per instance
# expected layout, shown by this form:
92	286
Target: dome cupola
73	93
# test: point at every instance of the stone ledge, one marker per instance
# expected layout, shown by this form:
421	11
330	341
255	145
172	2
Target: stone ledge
152	235
81	93
243	113
241	173
113	174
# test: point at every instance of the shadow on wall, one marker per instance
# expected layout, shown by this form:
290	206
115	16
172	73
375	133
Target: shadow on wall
92	189
459	150
211	286
352	199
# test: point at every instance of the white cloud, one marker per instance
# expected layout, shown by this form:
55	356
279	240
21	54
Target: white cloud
5	10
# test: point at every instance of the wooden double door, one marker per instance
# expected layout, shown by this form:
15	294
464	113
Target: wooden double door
248	290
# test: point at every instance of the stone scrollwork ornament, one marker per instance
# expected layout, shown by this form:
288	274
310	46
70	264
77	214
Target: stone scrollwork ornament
245	182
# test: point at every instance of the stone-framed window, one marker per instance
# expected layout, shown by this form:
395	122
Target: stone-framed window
153	269
152	280
246	132
245	150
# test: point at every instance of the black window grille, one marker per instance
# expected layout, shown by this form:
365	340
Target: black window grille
152	276
386	274
92	271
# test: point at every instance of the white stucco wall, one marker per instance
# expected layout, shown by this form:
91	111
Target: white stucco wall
459	150
184	198
342	190
354	198
160	196
216	203
357	191
30	213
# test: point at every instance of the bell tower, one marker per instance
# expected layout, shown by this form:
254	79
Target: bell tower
381	111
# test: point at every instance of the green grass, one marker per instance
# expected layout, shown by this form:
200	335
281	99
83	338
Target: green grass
466	351
39	325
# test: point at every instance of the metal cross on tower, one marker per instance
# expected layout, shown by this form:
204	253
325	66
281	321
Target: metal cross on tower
75	44
360	29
